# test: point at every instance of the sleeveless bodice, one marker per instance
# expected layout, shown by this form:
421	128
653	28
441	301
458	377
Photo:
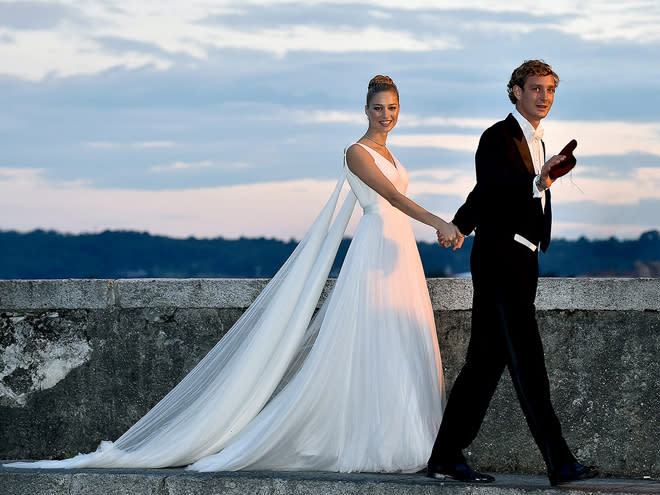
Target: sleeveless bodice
369	199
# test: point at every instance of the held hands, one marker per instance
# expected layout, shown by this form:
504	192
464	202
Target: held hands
450	236
546	180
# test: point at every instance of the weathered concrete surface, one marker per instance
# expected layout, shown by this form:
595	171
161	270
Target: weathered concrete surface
128	293
179	482
635	294
82	360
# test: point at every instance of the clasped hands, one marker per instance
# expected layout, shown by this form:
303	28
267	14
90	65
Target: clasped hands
450	237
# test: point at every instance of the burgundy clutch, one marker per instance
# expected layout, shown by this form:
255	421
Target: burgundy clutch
567	164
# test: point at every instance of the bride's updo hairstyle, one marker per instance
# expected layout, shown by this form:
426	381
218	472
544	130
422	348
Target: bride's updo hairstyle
381	83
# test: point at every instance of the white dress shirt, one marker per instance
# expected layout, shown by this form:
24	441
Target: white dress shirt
533	138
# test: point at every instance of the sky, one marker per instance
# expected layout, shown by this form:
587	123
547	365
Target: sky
229	118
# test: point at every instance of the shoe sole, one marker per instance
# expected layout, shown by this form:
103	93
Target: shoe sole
448	477
440	477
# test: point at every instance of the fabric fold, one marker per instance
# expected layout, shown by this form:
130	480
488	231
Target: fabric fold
234	381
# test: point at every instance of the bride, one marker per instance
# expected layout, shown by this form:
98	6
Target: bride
356	387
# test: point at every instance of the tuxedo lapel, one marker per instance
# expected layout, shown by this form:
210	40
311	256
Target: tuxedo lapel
547	216
547	222
520	143
543	143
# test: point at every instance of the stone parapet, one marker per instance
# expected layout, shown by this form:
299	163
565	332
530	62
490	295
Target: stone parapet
81	360
610	294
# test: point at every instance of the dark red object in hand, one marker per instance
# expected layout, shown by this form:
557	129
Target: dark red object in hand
567	164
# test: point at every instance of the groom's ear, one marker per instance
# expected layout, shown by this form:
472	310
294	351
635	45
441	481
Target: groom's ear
517	91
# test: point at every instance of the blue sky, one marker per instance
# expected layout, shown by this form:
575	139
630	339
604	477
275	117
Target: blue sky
229	118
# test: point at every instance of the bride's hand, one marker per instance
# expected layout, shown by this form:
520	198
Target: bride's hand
449	235
446	234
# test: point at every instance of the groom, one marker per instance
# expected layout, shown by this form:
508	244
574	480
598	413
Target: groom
510	209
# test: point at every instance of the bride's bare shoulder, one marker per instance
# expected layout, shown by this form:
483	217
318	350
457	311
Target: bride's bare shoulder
357	151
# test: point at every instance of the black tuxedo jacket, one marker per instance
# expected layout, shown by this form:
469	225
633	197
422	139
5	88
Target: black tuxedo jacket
502	204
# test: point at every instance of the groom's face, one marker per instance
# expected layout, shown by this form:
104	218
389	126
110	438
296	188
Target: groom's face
536	98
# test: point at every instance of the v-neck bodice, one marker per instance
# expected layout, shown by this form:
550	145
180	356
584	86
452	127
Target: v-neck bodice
395	173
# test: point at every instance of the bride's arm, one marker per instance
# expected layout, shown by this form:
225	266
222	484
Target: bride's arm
361	163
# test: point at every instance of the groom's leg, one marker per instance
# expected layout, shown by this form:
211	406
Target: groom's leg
526	363
474	386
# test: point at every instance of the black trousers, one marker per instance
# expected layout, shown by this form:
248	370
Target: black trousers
504	334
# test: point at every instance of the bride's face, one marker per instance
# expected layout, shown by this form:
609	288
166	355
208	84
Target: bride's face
383	111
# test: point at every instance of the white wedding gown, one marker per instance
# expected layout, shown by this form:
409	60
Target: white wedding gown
357	387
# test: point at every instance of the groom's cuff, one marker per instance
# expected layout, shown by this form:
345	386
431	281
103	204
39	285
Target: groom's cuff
535	190
524	242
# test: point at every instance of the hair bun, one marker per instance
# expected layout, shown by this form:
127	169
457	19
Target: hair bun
381	83
385	80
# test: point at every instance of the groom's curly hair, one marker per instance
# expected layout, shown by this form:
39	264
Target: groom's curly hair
529	68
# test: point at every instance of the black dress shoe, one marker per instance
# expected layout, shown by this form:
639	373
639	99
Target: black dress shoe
573	471
459	472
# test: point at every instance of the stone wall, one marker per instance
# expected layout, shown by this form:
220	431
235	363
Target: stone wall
82	360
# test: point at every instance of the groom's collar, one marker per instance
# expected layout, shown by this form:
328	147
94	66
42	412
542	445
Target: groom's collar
528	130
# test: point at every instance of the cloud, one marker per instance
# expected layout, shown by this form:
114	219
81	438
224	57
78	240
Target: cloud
92	37
31	178
276	209
282	209
280	41
34	15
155	144
179	166
604	137
597	220
600	207
141	144
591	230
636	22
141	34
600	138
20	177
616	165
142	97
405	120
458	142
592	20
66	55
440	182
641	184
380	14
595	138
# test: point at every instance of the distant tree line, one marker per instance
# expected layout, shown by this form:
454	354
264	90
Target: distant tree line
121	254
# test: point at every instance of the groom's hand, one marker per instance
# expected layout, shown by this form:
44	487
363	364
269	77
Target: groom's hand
546	181
459	237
